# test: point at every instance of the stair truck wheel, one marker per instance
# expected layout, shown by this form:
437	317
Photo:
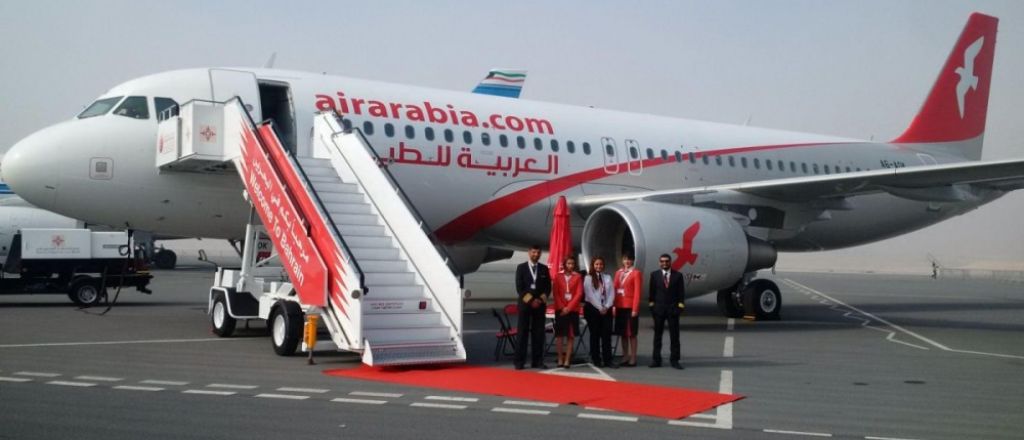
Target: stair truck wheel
221	323
85	291
285	327
765	299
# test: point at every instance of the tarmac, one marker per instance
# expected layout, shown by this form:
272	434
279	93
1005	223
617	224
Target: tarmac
863	356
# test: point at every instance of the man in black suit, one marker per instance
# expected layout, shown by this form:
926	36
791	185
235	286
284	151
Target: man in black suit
533	284
666	301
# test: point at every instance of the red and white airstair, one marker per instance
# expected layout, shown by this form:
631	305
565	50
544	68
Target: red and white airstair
346	246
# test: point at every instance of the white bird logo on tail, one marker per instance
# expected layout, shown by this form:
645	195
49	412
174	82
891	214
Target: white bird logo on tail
968	80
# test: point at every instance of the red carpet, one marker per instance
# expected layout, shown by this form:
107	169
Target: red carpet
633	398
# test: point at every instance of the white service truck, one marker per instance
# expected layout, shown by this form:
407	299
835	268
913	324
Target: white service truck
78	262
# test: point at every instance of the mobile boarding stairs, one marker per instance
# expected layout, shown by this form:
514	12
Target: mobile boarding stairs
346	245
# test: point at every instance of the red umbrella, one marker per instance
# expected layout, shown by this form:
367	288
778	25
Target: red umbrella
561	238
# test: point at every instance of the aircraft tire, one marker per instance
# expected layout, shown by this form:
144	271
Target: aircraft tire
729	303
165	259
86	292
221	323
766	299
285	327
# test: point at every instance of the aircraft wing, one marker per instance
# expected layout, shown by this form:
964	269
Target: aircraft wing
935	183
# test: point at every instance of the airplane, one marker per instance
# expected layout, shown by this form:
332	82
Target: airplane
485	171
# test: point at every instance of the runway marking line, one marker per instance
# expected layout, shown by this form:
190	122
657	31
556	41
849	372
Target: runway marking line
210	392
727	350
281	396
303	390
453	398
535	412
529	403
69	383
607	417
437	405
14	379
901	329
886	438
163	382
374	394
36	374
695	424
99	378
809	434
147	341
232	386
359	401
731	324
703	416
137	388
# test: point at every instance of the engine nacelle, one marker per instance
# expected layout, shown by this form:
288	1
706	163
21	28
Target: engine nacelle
708	246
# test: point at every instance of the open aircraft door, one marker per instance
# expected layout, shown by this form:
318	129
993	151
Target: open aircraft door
226	84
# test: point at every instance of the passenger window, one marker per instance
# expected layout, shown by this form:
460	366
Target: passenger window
650	153
346	124
732	161
743	162
634	152
428	133
570	147
705	160
448	135
757	163
767	164
410	132
554	145
679	156
467	137
99	108
858	169
848	169
693	158
521	142
485	138
134	107
803	166
792	166
368	128
165	108
503	140
815	168
609	150
538	144
664	155
782	166
586	148
389	130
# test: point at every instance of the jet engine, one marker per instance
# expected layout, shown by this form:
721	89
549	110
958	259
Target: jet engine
708	246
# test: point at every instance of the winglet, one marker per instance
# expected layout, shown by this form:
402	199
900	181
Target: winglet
502	82
958	102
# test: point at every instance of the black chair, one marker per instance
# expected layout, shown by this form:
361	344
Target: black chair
505	338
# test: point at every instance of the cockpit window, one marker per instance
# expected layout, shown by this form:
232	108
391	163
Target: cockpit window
165	108
100	107
134	107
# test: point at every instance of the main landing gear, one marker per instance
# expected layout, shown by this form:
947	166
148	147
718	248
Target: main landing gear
758	299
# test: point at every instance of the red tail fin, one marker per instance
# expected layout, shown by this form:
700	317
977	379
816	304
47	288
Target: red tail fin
956	107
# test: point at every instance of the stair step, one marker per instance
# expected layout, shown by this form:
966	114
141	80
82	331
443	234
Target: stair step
318	171
370	266
375	279
402	320
315	162
412	353
342	197
434	334
356	219
349	208
370	242
409	291
374	253
322	178
326	187
361	230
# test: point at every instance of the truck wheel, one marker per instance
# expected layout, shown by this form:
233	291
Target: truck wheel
285	327
86	292
165	259
729	303
221	323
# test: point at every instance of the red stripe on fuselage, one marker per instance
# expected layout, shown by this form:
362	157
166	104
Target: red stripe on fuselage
488	214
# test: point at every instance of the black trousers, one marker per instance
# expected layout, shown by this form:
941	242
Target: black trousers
600	328
673	335
531	329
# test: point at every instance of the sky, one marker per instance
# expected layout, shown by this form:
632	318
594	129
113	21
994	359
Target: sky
850	68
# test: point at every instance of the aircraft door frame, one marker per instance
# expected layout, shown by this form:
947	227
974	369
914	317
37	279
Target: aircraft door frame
635	165
226	84
610	152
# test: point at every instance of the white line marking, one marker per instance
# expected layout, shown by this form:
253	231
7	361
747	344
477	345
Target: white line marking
453	398
727	350
731	324
703	416
594	408
905	331
137	388
303	390
14	379
372	394
528	403
887	438
360	401
209	392
164	382
100	378
437	405
724	412
695	424
232	386
534	412
281	396
149	341
811	434
68	383
36	374
607	417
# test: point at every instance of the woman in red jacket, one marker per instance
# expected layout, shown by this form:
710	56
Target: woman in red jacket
628	283
567	288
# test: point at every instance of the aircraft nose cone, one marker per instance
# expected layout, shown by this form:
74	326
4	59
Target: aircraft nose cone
28	168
